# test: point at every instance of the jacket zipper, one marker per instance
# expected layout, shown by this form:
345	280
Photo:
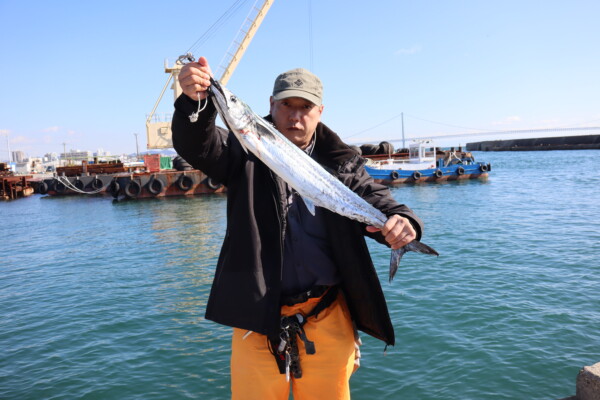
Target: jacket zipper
281	218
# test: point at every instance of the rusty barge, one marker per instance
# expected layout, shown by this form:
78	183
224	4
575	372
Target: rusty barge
13	186
152	178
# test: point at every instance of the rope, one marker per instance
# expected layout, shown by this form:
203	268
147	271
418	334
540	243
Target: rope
194	116
65	181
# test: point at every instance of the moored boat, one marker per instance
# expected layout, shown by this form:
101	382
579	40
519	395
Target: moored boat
13	186
131	181
425	164
161	184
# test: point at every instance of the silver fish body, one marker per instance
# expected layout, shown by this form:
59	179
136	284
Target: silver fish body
314	184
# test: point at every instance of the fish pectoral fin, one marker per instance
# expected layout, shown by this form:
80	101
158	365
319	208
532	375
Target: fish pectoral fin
242	143
309	205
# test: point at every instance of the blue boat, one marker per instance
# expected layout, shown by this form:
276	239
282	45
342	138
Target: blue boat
425	165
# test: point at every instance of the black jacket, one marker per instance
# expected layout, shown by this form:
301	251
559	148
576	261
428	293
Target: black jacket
247	284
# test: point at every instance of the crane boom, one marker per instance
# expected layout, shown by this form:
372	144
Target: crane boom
248	34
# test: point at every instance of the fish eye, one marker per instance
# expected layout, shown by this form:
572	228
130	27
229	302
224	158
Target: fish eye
233	99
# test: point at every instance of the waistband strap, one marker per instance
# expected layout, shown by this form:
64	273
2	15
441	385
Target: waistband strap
315	291
285	349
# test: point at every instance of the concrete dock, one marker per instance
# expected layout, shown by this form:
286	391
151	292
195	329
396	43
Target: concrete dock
587	386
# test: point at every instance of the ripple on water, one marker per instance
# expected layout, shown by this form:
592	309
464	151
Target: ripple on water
106	300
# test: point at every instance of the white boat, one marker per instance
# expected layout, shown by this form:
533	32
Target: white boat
424	164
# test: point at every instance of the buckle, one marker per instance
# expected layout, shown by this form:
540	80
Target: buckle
315	291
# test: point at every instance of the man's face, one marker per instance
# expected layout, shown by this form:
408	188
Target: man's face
296	118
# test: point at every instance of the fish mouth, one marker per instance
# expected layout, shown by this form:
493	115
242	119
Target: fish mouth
215	85
216	90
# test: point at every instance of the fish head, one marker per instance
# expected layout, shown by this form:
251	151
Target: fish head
235	113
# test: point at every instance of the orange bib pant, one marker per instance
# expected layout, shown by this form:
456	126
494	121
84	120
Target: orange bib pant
325	374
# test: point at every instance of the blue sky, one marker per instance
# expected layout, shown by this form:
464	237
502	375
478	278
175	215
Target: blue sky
86	73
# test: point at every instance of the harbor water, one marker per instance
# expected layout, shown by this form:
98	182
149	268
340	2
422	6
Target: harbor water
105	300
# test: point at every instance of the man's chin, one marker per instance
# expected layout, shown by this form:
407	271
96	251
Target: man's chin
293	133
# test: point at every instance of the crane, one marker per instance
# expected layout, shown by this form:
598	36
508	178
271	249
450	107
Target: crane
159	132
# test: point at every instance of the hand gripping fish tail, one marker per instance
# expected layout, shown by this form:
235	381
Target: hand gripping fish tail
412	246
316	186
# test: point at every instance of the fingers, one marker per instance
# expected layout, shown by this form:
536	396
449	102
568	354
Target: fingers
398	232
194	78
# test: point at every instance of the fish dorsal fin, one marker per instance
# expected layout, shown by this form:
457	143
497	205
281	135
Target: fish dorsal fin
309	205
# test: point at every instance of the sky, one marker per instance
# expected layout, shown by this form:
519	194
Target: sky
85	74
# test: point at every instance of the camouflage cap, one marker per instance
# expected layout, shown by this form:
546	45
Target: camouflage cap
298	82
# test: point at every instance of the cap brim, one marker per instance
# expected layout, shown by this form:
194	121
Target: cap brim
286	94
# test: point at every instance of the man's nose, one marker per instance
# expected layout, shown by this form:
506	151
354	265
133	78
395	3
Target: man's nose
294	115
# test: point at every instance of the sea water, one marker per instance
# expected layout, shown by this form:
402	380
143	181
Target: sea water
105	300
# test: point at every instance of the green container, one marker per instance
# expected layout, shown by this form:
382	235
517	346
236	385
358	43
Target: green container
166	162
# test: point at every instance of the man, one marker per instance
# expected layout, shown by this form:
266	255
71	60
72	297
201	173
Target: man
294	286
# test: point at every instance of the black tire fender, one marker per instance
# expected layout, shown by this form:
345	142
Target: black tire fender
185	182
438	173
395	175
59	187
133	189
416	175
460	170
43	188
155	186
114	188
97	183
212	184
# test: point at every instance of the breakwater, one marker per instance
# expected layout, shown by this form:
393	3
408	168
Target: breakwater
583	142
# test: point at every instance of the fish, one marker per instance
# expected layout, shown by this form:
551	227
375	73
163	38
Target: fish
314	184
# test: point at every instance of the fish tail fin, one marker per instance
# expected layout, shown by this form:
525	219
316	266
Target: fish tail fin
395	261
421	248
412	246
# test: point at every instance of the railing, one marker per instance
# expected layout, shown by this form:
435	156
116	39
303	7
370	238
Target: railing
159	117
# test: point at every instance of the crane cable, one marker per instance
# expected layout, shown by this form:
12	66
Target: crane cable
478	131
216	25
310	34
